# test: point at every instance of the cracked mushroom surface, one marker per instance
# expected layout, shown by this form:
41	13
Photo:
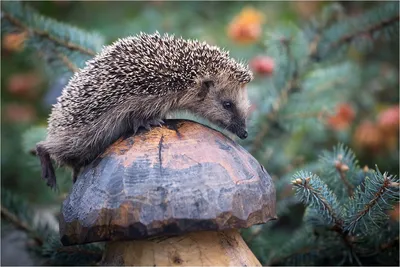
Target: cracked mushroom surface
179	178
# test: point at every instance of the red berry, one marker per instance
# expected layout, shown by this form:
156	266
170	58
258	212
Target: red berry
24	84
15	113
389	119
262	65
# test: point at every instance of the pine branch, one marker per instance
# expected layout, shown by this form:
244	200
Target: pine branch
64	47
369	31
340	163
342	168
64	59
71	66
47	35
313	47
17	212
330	15
12	218
390	244
301	249
314	193
57	254
253	233
346	31
367	209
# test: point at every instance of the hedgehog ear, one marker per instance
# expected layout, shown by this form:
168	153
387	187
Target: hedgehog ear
205	88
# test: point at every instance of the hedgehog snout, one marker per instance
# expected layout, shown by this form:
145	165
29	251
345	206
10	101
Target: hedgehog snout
239	130
242	134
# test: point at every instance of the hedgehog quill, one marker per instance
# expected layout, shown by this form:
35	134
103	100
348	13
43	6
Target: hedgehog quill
136	82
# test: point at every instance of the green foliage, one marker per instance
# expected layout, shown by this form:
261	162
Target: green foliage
333	163
29	140
313	192
382	21
367	210
63	47
16	211
57	254
346	229
336	57
32	136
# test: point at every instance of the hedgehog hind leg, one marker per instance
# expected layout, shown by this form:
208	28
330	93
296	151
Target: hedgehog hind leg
48	173
75	172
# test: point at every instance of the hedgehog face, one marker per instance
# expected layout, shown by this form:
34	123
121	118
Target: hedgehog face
225	104
235	105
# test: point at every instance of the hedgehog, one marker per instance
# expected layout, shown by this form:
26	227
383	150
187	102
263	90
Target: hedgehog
135	83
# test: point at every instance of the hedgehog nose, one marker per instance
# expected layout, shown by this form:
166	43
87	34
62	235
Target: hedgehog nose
243	135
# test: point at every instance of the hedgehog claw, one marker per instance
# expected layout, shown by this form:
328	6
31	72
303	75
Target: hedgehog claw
156	122
147	126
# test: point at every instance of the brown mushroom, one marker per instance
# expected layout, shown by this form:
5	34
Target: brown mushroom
175	195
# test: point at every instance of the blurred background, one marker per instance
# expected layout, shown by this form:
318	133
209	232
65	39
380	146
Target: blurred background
362	113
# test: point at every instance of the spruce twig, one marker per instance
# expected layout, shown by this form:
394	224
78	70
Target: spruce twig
71	66
258	140
342	168
68	63
368	31
46	35
387	183
12	218
313	47
316	194
389	244
348	38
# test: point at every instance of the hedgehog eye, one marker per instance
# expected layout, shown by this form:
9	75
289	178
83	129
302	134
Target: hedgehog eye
227	105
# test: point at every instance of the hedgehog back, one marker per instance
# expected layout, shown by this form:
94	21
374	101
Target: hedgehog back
139	65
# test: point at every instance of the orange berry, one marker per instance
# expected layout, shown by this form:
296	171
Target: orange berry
343	117
368	136
394	214
246	28
389	119
14	42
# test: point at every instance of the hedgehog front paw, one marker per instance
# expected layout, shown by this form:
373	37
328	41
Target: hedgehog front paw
153	123
156	122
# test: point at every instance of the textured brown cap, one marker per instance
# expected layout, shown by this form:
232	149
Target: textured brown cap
174	179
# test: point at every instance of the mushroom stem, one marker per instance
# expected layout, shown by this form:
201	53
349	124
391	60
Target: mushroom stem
205	248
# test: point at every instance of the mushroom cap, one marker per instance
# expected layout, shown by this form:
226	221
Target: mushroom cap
178	178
